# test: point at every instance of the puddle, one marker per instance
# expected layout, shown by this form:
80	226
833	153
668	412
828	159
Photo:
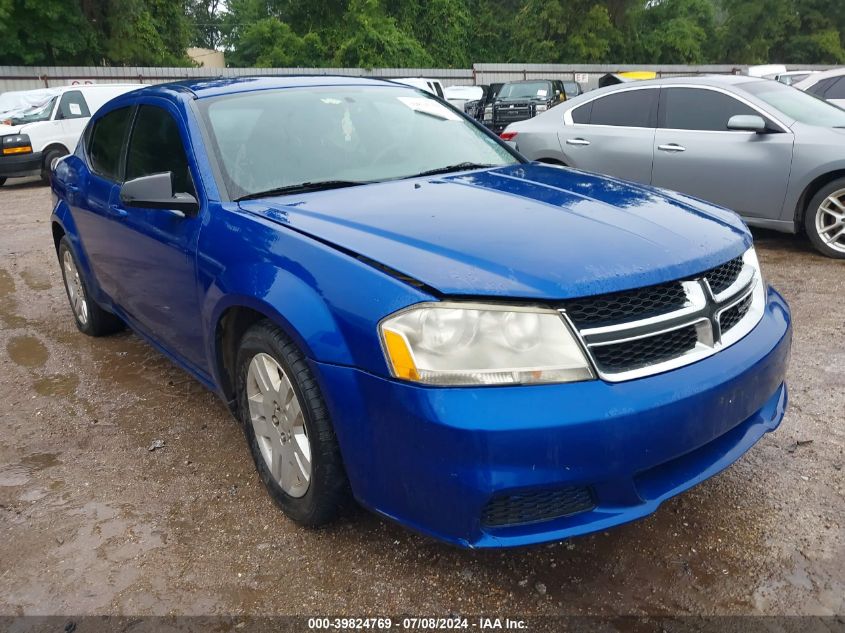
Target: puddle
7	302
56	385
40	461
36	280
27	351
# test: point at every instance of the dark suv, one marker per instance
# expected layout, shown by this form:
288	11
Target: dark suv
520	100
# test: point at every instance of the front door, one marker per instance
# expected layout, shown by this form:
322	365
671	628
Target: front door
696	154
158	288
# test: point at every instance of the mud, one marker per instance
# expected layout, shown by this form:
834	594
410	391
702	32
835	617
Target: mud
92	522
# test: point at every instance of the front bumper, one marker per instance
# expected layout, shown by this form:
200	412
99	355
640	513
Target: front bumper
18	165
432	458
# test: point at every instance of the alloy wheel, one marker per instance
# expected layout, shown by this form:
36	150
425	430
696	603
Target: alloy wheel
75	290
279	424
830	220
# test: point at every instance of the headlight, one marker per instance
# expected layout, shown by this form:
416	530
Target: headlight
16	144
488	113
470	344
541	107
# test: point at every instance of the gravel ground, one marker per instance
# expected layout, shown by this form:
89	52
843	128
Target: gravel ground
93	522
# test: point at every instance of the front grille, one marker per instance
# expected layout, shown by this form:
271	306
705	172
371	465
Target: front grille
533	507
645	351
513	114
641	332
734	314
721	277
625	306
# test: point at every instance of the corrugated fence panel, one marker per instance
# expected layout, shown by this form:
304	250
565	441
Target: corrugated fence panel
28	77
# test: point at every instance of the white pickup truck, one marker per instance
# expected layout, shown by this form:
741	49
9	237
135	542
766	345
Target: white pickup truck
38	126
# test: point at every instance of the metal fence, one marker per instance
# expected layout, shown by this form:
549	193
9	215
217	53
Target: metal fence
27	77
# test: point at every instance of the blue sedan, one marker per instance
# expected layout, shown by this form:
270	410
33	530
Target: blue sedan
399	308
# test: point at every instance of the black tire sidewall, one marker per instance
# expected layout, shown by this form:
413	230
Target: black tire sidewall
810	219
49	156
323	498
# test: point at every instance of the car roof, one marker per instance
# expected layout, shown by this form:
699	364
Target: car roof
206	87
718	81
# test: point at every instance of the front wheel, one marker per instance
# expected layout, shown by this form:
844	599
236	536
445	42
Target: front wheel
824	220
47	163
288	428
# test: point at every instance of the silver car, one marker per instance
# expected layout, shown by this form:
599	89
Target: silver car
770	152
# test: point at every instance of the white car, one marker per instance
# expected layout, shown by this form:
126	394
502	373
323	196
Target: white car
459	95
39	126
828	85
429	85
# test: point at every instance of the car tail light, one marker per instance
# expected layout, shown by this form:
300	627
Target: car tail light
508	136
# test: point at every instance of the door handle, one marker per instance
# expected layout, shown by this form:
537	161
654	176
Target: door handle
117	211
672	147
577	141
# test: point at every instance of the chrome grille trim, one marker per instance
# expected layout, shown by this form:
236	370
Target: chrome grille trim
703	310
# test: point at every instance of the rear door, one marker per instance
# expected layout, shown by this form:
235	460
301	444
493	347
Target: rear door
95	202
613	134
696	154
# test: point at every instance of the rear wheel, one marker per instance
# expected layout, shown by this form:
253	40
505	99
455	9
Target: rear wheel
2	181
288	428
824	220
90	318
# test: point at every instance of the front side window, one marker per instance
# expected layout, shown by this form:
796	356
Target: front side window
72	105
630	108
271	139
106	142
156	146
701	109
797	105
820	87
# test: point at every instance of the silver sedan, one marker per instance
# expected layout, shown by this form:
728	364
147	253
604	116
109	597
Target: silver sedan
772	153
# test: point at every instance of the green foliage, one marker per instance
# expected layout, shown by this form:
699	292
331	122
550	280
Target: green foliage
422	33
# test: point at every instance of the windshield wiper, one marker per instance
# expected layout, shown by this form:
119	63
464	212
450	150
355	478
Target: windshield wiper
302	187
450	168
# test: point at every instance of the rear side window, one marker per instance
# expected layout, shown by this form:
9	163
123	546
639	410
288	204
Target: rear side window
631	108
836	90
582	114
156	146
73	106
106	141
700	109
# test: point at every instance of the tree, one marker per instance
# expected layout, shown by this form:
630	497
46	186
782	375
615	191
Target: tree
670	32
370	38
48	32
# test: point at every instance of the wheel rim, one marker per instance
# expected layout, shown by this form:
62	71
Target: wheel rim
75	290
279	425
830	221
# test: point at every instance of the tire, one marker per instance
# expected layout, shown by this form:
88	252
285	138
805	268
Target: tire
49	156
90	318
824	219
298	418
2	181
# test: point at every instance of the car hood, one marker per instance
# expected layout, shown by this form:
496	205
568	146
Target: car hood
522	231
10	129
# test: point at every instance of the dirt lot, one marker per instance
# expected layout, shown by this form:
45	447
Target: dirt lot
93	522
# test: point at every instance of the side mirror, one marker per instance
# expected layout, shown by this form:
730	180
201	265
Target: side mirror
156	192
747	123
